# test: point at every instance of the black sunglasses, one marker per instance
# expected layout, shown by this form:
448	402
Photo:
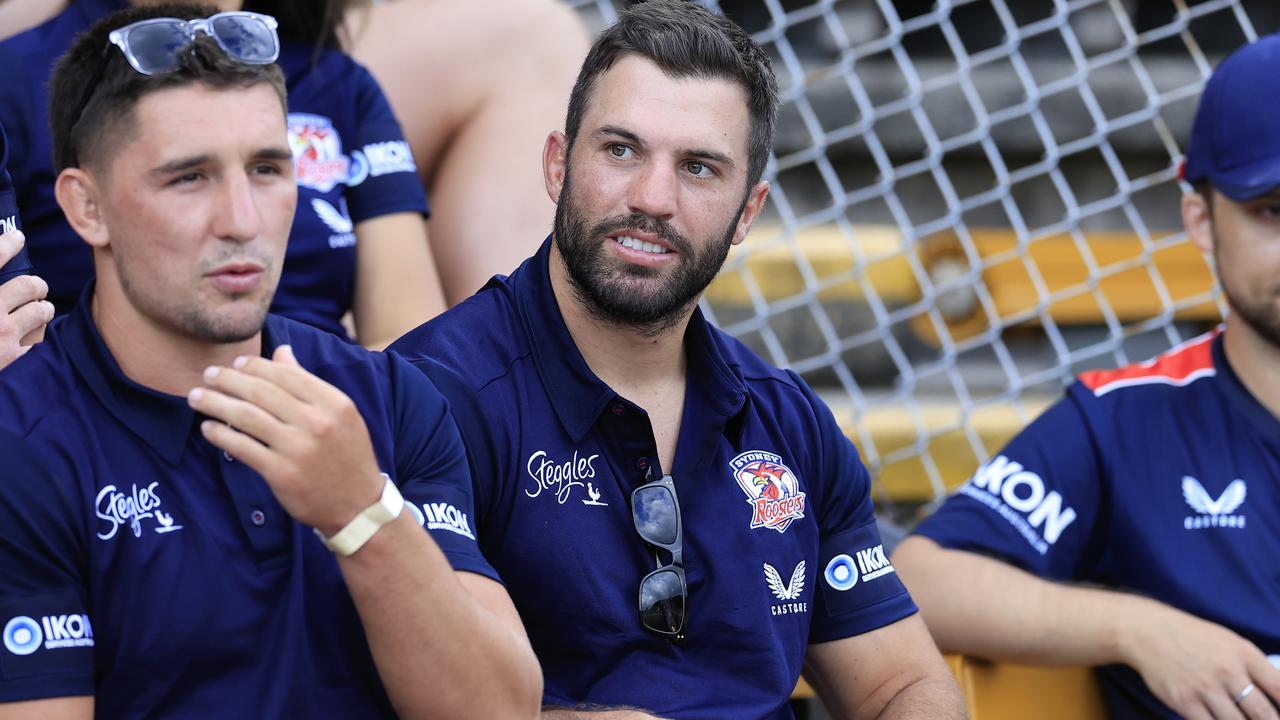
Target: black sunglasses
664	593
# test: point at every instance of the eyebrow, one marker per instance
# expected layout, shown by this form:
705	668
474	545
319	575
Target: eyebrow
186	163
712	155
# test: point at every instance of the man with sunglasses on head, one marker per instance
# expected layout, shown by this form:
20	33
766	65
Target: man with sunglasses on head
682	527
207	510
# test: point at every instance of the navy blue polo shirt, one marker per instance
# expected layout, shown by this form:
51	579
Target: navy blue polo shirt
780	545
351	160
9	220
1158	478
141	565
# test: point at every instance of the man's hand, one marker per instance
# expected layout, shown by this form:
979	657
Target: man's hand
1199	668
24	313
303	435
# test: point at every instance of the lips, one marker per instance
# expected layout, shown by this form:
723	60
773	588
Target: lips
240	277
642	248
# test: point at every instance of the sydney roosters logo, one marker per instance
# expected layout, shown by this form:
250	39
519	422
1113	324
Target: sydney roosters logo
773	491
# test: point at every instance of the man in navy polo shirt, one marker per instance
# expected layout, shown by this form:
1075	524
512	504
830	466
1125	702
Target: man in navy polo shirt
23	311
681	526
1158	480
157	554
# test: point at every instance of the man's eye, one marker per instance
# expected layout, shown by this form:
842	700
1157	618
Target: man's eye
185	178
620	151
698	169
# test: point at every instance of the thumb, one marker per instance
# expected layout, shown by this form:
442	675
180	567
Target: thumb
284	355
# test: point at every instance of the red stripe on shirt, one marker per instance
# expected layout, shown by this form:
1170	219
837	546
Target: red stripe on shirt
1179	366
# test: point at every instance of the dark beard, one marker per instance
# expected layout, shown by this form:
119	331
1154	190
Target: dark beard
1258	316
614	294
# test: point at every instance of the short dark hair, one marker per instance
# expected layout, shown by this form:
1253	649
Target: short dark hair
80	134
685	40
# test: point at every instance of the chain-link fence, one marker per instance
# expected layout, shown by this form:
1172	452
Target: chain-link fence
972	201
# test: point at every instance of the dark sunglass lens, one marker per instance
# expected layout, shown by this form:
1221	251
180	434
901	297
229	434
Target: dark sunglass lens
155	46
655	514
246	39
662	597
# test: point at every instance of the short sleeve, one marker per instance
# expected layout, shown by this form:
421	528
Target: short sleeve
45	619
432	471
392	183
1034	504
859	590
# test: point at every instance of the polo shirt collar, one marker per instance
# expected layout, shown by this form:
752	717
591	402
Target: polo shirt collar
575	392
161	421
1245	401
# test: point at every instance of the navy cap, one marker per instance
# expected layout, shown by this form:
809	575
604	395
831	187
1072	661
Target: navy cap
1235	141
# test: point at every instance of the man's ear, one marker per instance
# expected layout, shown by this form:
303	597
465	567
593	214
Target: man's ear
555	158
750	211
1197	218
78	195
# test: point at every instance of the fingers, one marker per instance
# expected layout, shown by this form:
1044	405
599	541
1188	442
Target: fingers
246	417
23	290
1261	703
241	447
284	371
10	245
1222	704
256	391
29	318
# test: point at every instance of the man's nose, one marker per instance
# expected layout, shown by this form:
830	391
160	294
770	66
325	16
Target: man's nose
654	191
238	218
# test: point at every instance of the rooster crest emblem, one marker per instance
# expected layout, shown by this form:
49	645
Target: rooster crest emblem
789	591
772	490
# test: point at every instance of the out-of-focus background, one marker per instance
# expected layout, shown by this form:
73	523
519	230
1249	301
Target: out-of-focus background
972	202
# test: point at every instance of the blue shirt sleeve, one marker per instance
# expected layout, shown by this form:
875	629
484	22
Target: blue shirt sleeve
47	648
392	184
1034	504
9	220
431	468
859	590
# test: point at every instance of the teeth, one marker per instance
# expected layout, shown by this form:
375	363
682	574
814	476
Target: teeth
634	244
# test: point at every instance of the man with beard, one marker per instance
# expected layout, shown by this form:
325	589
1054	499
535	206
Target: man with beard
681	526
1157	480
170	448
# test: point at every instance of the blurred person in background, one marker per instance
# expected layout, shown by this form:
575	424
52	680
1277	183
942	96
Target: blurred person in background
208	510
23	310
1135	525
474	85
675	519
358	243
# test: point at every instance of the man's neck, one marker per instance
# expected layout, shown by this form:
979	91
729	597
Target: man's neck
632	363
157	358
1255	360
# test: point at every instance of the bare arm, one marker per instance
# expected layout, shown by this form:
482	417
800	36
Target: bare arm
592	714
891	672
309	442
983	607
500	83
63	708
397	288
19	15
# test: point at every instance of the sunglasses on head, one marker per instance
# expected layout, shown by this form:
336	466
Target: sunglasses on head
155	46
664	592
